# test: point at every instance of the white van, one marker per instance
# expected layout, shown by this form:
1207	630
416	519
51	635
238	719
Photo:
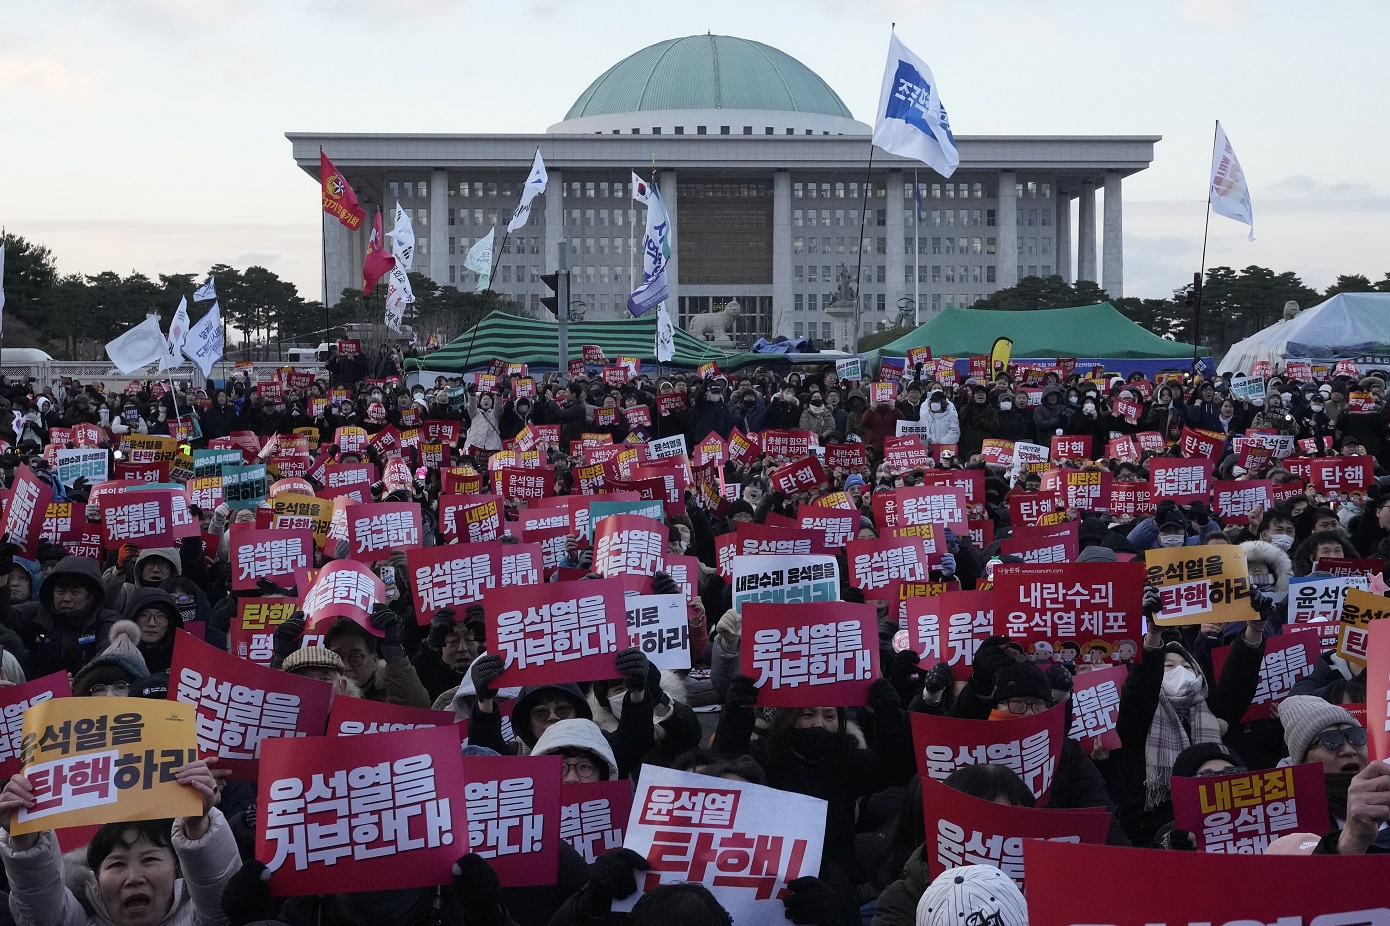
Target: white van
22	355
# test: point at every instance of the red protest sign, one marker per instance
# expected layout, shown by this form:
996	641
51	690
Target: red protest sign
359	716
844	456
752	539
1349	889
839	527
801	476
921	505
1055	544
253	627
350	439
1236	499
14	701
1195	442
1349	567
1131	499
240	705
1030	745
352	479
629	544
1122	448
1071	446
274	554
949	628
593	815
521	484
997	451
1150	441
407	801
1377	688
789	444
906	453
1289	657
451	576
1028	508
344	588
1243	813
1129	411
557	631
145	518
804	662
470	518
874	565
513	813
1184	481
375	529
1084	490
966	830
1095	705
1343	474
28	504
1097	608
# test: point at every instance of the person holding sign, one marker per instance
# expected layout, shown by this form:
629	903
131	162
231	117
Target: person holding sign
134	867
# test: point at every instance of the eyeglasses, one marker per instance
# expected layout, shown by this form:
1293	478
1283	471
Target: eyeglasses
562	710
353	659
1024	706
119	689
582	768
1334	740
1217	773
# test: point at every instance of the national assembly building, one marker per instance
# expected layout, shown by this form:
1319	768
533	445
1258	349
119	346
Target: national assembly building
764	172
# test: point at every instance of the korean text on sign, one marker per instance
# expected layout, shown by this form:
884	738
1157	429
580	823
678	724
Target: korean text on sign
830	659
558	631
513	814
784	580
1242	814
1030	745
1200	585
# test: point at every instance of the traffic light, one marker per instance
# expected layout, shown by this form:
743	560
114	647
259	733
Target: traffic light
1193	290
552	303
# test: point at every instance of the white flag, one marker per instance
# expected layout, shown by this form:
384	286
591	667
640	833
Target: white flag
205	293
656	254
403	238
535	186
479	260
173	344
1230	196
641	190
398	295
137	348
912	120
204	342
665	336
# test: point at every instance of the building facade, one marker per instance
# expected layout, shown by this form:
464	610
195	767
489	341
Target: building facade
768	181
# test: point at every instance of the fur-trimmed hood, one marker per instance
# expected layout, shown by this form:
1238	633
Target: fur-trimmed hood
1272	558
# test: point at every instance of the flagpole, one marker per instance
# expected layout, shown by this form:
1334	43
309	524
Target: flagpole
916	251
1202	273
859	270
496	258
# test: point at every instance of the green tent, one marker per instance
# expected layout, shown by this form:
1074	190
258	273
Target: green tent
1097	331
531	341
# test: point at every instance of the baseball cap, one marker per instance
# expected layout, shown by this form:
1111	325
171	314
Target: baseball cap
972	894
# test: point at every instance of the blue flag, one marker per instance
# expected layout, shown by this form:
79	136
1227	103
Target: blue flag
656	254
917	198
912	121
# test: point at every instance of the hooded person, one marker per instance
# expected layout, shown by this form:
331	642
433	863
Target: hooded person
149	569
582	746
118	670
157	616
942	420
25	579
1048	415
68	625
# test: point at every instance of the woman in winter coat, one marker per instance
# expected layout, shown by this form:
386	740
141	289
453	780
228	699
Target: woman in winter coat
818	417
941	419
1165	415
1047	417
1015	417
137	873
221	418
483	431
979	419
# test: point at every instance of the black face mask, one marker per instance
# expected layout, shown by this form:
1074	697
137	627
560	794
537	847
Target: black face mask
812	743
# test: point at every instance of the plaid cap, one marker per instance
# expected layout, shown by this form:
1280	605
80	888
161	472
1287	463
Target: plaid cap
313	657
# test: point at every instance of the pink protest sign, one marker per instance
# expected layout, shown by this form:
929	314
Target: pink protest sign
513	815
803	661
1030	745
343	588
557	631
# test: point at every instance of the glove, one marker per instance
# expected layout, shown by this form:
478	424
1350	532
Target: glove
904	666
263	585
286	639
247	897
1059	678
663	584
632	666
948	565
387	621
731	623
1200	513
952	542
126	558
989	659
850	593
613	876
811	902
1261	603
938	678
484	671
440	627
476	897
883	698
1153	603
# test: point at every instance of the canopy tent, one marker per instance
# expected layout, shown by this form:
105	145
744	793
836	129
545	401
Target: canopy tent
1349	326
537	343
1089	331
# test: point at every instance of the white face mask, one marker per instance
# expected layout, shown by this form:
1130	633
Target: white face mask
615	702
1177	680
1172	540
1006	406
1088	408
1282	541
938	406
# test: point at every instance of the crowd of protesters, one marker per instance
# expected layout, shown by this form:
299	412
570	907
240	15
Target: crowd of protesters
110	624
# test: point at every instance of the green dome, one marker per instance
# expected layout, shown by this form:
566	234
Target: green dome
708	72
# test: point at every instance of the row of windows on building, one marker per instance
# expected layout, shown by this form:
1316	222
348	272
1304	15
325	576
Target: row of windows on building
814	302
878	245
508	190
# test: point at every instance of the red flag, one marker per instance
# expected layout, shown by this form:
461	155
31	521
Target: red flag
339	200
377	262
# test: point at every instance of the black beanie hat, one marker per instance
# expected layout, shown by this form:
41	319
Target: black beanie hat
1195	756
1021	680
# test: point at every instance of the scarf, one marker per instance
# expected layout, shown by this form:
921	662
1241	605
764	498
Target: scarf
1168	736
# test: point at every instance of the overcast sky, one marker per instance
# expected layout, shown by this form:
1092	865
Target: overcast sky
149	134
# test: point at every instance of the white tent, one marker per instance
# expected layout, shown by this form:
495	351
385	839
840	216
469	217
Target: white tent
1349	326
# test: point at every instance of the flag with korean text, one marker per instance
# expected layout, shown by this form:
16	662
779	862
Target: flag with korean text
103	760
513	816
742	841
912	120
966	830
204	342
1030	745
557	631
366	813
240	705
1229	193
339	200
801	659
656	254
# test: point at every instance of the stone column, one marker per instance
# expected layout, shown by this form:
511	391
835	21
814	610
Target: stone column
781	255
897	241
668	197
1112	274
554	219
1086	234
337	242
439	227
1007	217
1063	249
